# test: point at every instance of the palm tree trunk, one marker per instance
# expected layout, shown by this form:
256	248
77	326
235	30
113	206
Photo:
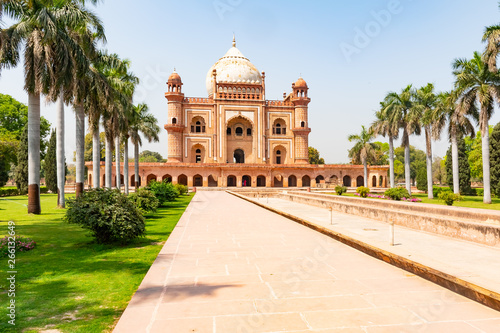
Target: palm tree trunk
486	159
428	144
61	174
109	163
125	167
34	154
96	157
391	161
137	178
80	149
365	172
454	159
407	166
117	162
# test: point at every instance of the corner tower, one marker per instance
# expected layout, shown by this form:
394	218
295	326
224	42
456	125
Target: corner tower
301	128
175	125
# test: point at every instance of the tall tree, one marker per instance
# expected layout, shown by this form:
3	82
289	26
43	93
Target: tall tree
386	126
69	85
50	165
21	171
400	107
42	31
456	118
438	170
475	153
492	38
91	31
122	82
314	157
424	105
475	83
142	122
495	160
464	170
148	156
362	149
8	149
99	97
14	117
89	149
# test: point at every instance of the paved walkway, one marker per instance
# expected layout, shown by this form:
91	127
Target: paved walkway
230	266
475	263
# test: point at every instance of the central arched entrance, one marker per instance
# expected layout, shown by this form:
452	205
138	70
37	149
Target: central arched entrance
239	156
240	140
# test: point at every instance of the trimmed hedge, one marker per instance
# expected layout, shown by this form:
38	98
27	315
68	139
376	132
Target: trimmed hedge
397	193
11	192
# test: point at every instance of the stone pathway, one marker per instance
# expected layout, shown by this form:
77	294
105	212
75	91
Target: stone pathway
230	266
473	262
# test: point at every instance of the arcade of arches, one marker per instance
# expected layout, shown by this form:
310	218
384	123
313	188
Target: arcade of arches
251	175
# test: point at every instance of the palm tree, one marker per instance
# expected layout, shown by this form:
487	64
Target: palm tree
112	72
42	33
363	149
400	107
99	95
123	84
476	83
72	67
145	123
492	38
449	112
383	126
425	102
90	32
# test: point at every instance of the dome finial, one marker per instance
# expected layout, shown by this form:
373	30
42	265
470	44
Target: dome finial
234	40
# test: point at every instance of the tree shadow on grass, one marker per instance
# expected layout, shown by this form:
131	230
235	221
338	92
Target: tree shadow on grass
43	304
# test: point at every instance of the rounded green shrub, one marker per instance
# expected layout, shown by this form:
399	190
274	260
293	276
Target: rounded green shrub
145	200
363	191
108	214
397	193
449	198
163	191
183	189
340	190
436	190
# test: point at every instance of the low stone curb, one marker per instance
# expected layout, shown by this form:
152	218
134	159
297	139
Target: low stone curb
472	291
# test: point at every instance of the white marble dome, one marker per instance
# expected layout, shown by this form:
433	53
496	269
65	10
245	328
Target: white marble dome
233	68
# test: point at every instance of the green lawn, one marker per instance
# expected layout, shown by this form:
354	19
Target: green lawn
469	201
68	282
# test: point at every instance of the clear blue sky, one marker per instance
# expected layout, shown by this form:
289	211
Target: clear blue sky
416	45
